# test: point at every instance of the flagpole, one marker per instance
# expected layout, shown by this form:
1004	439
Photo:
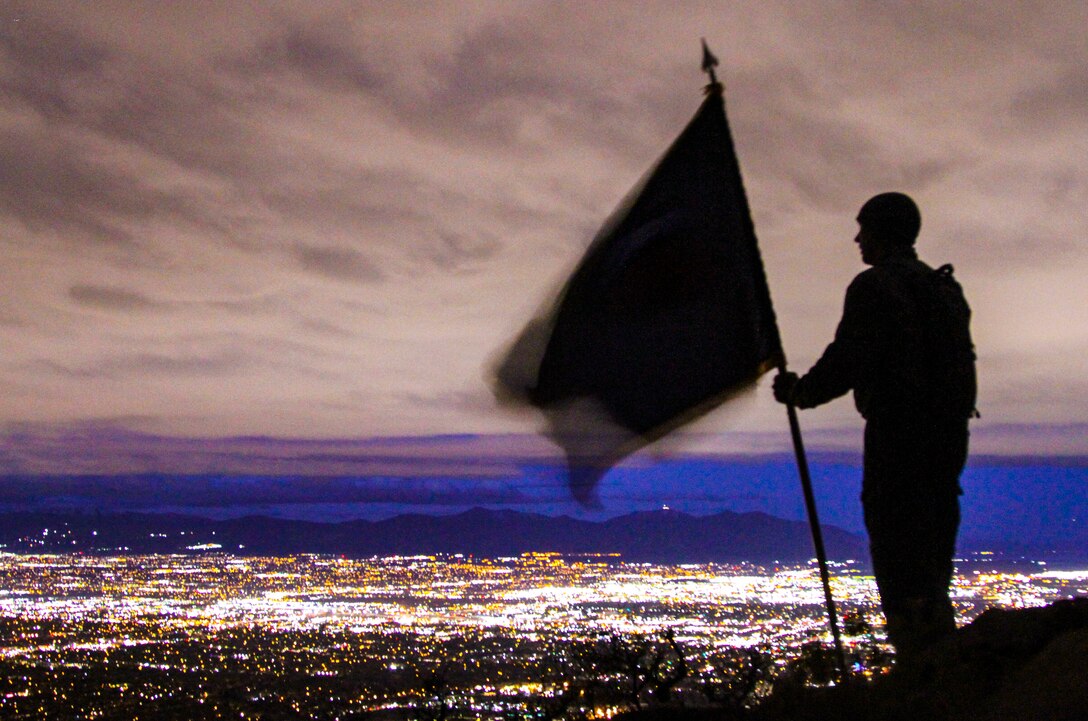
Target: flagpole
817	534
709	63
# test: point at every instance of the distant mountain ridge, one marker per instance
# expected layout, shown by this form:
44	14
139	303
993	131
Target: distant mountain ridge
655	536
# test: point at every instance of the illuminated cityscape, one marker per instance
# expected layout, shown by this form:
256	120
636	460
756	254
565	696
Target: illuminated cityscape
220	636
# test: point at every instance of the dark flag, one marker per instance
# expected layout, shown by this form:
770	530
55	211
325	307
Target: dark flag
666	316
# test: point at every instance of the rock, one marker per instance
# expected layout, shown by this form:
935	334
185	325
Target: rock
1008	665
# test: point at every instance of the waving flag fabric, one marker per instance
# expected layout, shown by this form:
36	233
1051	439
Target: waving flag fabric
666	316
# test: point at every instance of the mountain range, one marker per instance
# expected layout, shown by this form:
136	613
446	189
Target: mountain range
655	536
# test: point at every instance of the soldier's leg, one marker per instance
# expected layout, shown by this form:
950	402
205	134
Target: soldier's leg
912	515
943	465
896	570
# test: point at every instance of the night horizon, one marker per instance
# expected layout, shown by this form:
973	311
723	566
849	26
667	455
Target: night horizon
1017	498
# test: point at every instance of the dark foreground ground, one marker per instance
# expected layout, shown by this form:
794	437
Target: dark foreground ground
1009	665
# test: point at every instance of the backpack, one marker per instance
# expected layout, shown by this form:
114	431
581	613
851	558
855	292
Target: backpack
947	341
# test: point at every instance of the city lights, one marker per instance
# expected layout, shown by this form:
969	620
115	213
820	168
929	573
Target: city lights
330	637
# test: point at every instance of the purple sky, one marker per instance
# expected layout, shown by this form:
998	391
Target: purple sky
323	220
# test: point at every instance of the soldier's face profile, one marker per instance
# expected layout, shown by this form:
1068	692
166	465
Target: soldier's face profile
872	245
864	239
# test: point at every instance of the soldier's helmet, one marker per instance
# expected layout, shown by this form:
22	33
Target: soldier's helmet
892	215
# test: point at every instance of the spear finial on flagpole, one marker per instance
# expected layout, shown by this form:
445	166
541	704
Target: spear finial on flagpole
709	63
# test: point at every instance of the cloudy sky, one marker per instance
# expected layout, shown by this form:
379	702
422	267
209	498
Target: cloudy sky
323	220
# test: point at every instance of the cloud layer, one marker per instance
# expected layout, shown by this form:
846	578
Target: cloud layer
322	220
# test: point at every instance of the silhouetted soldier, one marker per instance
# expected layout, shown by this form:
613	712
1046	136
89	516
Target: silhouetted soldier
903	346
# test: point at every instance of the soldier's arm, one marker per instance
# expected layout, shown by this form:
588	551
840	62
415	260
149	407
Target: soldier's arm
848	360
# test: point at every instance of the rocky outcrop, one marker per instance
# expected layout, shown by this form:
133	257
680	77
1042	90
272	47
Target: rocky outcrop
1008	665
